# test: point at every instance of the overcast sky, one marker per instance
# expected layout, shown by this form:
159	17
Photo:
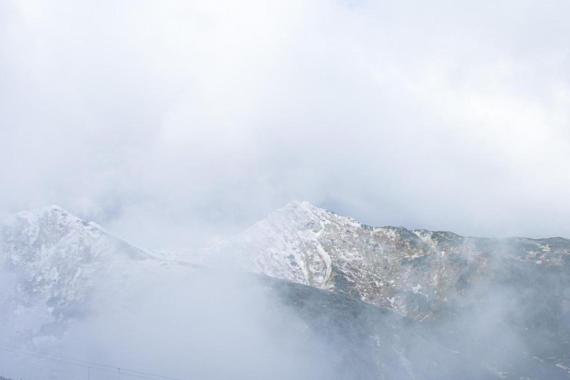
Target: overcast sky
173	122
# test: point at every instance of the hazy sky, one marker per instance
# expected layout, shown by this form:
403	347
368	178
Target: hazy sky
171	122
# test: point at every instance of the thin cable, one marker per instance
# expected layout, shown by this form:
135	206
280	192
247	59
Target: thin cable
90	365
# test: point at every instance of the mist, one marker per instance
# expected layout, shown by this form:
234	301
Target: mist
184	322
177	125
77	302
173	124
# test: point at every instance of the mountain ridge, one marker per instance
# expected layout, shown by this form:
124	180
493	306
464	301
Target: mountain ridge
382	295
412	272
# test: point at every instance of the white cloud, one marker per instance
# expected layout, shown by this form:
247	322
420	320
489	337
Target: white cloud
194	117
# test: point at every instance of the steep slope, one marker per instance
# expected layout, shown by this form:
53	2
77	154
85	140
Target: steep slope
478	308
414	273
62	275
51	264
56	256
378	344
487	297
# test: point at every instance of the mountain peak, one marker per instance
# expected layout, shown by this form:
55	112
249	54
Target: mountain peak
49	223
301	206
308	209
307	216
57	255
47	212
54	208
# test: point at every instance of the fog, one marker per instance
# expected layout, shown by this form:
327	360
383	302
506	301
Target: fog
175	123
184	322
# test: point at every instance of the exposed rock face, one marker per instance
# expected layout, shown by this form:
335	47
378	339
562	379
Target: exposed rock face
413	272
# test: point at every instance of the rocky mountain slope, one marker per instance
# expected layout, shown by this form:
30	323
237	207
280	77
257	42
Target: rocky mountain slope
376	302
60	272
413	272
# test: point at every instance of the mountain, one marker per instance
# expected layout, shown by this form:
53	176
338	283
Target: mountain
477	297
56	256
412	272
65	278
332	298
56	269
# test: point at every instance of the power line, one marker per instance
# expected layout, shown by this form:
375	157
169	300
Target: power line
89	365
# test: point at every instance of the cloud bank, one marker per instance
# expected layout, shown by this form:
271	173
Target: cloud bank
177	122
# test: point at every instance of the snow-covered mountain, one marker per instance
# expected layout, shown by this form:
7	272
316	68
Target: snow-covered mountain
382	302
68	285
413	272
54	266
479	296
57	255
